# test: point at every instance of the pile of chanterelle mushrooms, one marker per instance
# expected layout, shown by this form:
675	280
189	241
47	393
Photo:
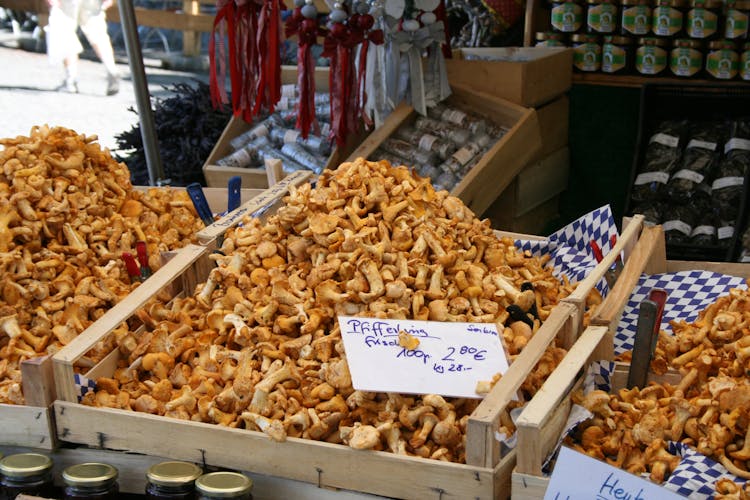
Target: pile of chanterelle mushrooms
67	213
258	346
708	409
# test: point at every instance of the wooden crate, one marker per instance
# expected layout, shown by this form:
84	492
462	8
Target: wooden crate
217	175
529	76
542	421
499	165
554	124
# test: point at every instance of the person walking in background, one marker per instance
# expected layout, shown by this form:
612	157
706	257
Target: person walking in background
66	16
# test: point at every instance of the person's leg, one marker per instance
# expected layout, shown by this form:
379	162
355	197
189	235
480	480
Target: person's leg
70	83
94	26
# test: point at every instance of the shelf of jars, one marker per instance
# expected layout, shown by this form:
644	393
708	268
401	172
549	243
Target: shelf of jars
637	42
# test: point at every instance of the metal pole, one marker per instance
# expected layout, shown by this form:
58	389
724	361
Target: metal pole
142	97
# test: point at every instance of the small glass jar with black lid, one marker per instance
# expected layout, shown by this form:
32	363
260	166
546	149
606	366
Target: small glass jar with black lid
550	39
215	485
172	481
702	20
27	473
90	481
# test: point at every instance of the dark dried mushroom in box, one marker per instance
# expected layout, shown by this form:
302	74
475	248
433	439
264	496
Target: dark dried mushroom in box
661	158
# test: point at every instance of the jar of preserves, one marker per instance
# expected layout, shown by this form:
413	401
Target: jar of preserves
736	19
172	481
587	53
550	39
745	62
567	16
686	57
223	485
667	18
703	19
617	55
651	56
601	17
90	481
722	60
635	17
28	473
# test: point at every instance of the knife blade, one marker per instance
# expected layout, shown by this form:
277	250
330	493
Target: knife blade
644	339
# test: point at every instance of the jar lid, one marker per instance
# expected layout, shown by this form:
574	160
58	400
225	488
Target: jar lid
687	42
722	44
672	3
738	4
636	2
706	4
173	473
585	38
89	474
223	484
25	465
659	42
618	40
549	35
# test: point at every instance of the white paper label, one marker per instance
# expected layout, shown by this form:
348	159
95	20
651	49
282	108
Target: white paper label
649	177
699	230
289	90
283	104
426	142
665	140
737	143
579	476
454	116
689	175
677	225
745	257
463	156
725	182
725	232
449	359
695	143
290	136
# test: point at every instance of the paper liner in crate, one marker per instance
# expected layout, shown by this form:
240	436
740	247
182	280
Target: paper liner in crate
570	247
688	293
695	475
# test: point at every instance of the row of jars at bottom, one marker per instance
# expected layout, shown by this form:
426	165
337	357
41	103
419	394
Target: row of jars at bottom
650	56
32	474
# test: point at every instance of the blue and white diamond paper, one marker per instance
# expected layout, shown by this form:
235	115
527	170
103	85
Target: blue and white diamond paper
696	475
688	293
83	385
570	249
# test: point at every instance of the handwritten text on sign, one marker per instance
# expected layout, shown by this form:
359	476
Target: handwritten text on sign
450	358
602	481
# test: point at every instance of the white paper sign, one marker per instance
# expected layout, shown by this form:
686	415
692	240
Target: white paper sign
449	360
579	476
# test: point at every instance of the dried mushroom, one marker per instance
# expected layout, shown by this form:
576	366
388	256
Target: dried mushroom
266	351
67	213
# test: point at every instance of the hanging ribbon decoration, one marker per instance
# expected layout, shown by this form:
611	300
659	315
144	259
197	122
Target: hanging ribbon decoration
437	87
362	23
375	86
412	42
223	25
338	46
442	16
268	41
304	23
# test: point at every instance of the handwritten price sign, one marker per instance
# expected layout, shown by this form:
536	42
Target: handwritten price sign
421	357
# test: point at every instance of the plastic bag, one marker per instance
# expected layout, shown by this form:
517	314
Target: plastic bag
62	40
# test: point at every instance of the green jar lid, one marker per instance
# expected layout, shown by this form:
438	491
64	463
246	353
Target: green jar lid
89	474
25	465
173	473
223	484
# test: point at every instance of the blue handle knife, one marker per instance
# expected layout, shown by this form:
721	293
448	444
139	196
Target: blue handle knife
233	193
195	191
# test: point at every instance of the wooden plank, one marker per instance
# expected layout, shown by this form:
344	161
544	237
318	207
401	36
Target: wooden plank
543	419
314	462
503	471
165	19
482	449
528	487
732	268
191	40
67	356
638	81
397	118
38	381
30	426
553	126
541	181
208	235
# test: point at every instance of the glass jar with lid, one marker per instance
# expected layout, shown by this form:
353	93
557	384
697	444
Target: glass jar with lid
550	39
703	19
601	17
617	55
686	57
722	59
651	57
667	18
567	16
28	473
216	485
587	53
172	481
745	62
635	17
736	19
90	481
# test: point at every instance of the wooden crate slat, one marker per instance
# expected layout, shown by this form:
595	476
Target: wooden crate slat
30	426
